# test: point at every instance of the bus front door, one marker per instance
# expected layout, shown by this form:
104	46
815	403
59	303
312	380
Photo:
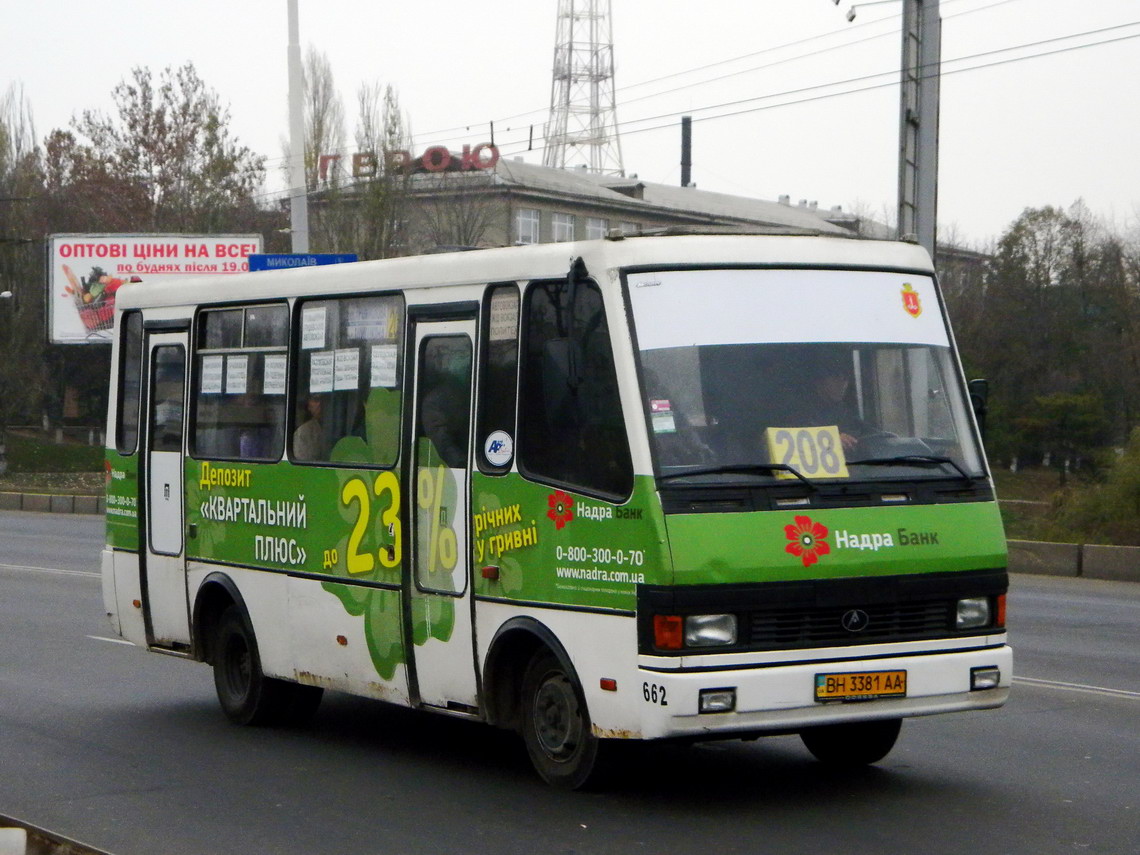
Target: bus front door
439	584
164	566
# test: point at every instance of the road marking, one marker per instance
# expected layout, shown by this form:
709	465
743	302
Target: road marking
1077	687
25	568
111	640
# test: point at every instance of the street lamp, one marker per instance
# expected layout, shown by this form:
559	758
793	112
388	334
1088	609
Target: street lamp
854	6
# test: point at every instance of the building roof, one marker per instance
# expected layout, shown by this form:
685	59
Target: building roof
664	198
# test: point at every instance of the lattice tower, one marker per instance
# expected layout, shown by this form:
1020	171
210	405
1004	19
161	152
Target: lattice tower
583	114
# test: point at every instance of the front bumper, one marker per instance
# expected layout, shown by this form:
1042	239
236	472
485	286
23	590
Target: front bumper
781	697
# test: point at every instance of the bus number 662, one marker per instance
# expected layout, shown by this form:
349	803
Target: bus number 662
654	694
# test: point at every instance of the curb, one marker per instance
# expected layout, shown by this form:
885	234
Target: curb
50	503
1075	560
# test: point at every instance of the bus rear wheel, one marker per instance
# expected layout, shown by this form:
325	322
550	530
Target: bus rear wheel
857	743
246	695
555	725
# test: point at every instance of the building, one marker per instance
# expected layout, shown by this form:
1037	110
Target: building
481	200
514	202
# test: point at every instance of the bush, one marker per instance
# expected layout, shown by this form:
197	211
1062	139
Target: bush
35	454
1108	512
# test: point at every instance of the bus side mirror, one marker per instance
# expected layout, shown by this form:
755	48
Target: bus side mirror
979	400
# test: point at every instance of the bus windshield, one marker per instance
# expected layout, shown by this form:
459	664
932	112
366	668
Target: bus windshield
818	375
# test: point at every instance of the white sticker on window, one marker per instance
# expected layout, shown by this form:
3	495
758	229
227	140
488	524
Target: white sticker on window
275	368
313	327
237	374
321	372
499	448
347	369
213	369
383	366
504	315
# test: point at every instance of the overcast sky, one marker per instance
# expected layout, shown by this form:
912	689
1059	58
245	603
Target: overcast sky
1037	125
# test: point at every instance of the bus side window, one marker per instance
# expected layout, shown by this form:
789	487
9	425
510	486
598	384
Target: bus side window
498	379
130	383
239	405
347	383
571	426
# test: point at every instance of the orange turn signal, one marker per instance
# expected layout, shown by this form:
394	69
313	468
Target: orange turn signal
999	620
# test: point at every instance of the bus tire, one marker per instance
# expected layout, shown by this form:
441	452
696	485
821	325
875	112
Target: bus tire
246	695
555	725
857	743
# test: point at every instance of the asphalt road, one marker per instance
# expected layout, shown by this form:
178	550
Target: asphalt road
127	751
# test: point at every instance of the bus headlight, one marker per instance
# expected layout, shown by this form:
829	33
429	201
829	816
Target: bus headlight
974	613
710	630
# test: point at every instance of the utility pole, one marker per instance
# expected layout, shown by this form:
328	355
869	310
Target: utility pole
583	110
918	121
298	190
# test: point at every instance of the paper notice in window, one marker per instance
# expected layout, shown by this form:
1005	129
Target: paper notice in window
313	327
275	374
213	369
383	366
504	314
237	374
321	372
347	369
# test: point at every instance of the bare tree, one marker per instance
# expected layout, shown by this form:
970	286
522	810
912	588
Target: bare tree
324	119
383	129
368	215
454	209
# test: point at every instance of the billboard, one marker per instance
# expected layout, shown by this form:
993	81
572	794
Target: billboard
86	271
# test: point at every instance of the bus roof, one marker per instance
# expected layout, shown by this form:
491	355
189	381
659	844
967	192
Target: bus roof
539	261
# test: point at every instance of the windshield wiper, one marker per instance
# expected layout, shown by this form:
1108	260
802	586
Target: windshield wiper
914	460
747	468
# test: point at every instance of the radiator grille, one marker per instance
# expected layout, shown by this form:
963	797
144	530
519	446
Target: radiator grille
783	627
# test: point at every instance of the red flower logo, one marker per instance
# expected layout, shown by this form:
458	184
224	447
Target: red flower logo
561	508
808	540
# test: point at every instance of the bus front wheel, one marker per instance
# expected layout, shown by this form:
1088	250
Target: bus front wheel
555	725
856	743
246	695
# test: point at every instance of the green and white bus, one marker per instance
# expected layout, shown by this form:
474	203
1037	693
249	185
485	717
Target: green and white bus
637	488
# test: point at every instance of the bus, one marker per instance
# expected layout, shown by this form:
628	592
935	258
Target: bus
636	488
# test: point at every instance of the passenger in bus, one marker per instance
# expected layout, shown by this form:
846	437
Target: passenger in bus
309	439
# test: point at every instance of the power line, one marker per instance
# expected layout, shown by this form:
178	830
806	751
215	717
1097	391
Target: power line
625	128
869	88
729	61
445	135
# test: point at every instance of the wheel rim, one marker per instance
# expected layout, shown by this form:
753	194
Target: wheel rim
556	721
238	666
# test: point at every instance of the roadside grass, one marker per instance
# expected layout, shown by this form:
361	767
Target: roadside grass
37	464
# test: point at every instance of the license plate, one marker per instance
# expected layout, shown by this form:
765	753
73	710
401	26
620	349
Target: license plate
860	686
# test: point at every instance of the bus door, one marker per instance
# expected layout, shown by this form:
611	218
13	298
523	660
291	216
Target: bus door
165	606
439	584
